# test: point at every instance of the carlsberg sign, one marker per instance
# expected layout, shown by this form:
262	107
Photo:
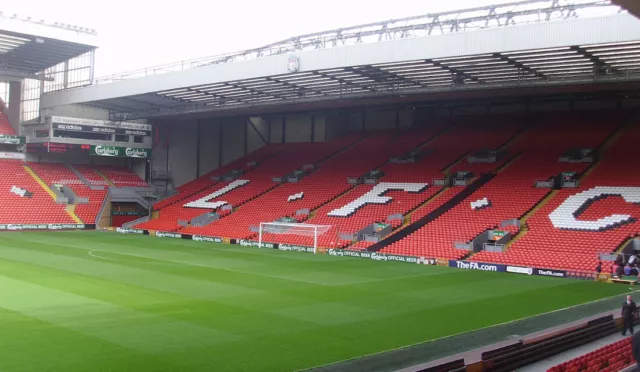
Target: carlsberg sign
11	140
106	151
136	153
120	152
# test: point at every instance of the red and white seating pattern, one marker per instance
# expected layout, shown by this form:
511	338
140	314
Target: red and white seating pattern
511	193
467	136
260	180
15	209
548	246
533	155
59	173
321	186
204	182
611	358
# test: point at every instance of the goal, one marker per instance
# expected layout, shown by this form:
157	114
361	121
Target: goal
302	229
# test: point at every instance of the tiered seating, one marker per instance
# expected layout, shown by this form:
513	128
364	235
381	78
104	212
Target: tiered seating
15	209
547	246
59	173
293	157
5	126
511	194
91	175
122	176
611	358
442	152
205	182
321	186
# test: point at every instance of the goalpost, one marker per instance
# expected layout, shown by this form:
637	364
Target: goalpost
302	229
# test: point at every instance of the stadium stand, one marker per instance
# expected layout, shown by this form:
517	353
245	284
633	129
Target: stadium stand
5	126
613	170
207	181
322	186
461	138
611	358
57	173
89	172
511	192
121	176
24	201
260	180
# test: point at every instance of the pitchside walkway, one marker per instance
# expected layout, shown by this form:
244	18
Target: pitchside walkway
470	345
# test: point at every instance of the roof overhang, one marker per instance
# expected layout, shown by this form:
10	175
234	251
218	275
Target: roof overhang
28	47
578	51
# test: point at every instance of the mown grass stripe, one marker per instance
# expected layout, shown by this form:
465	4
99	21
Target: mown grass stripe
199	307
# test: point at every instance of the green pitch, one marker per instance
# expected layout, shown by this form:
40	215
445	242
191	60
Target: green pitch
88	301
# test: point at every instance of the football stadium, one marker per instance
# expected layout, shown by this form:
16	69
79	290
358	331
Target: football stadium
453	191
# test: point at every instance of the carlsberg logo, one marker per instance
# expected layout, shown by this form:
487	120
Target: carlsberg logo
136	153
106	151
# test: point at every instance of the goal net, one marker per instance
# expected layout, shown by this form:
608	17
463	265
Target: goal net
301	229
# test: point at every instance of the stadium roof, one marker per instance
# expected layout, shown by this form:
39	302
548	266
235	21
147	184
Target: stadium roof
415	55
28	46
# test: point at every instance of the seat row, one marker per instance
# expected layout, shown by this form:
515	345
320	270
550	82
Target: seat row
611	358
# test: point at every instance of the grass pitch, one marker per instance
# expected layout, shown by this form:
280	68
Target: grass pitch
87	301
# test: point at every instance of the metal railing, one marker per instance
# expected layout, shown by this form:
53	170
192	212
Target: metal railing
499	15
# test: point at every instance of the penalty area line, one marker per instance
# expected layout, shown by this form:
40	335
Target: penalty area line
183	263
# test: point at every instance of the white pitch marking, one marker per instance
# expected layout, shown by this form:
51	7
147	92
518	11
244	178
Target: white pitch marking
226	269
119	260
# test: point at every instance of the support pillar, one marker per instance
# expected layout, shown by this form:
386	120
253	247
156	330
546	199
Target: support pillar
14	110
313	128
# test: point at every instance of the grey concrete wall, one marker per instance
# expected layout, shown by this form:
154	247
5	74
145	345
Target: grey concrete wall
595	105
470	110
298	128
550	106
209	146
176	150
257	134
379	120
79	111
356	120
139	167
406	118
319	128
276	130
233	143
336	124
631	103
14	111
518	108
